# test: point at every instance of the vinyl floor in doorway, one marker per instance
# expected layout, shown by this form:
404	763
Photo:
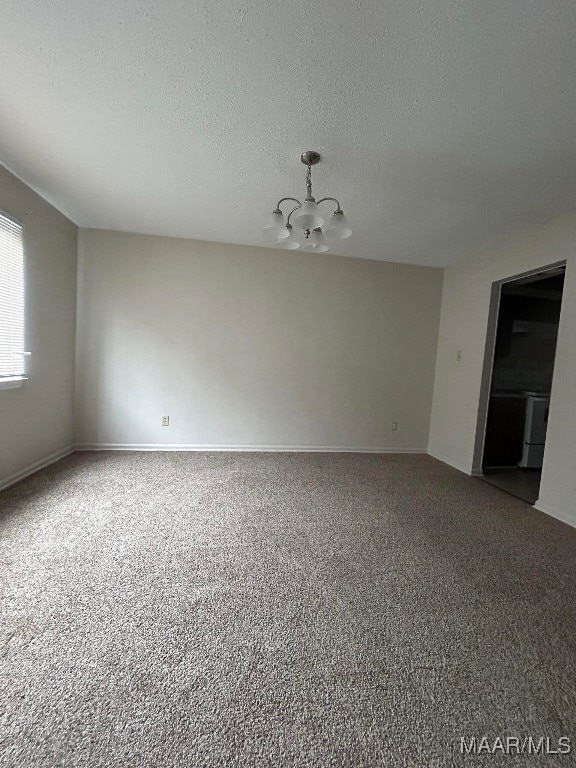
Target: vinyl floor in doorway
523	483
309	610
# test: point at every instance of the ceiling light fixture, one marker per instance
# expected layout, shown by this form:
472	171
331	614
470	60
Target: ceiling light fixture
308	217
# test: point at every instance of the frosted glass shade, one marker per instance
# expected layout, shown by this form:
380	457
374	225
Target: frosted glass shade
316	242
319	240
288	244
308	216
275	228
338	227
313	248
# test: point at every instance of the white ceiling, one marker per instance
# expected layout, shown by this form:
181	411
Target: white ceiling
444	125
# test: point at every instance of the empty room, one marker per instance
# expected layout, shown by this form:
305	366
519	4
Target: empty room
287	390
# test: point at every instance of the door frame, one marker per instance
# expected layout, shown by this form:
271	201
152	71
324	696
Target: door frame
488	363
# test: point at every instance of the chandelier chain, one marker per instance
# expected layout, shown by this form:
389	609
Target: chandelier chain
309	183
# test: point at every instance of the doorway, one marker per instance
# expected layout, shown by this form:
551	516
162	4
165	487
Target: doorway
521	349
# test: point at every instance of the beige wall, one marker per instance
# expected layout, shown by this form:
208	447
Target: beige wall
36	420
245	346
463	326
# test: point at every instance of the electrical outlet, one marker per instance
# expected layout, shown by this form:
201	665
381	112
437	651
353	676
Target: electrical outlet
394	426
459	355
165	421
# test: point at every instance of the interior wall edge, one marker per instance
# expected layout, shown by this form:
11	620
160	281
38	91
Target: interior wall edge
555	513
37	419
36	467
445	460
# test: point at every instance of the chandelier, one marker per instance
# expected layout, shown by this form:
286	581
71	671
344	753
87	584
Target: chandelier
307	217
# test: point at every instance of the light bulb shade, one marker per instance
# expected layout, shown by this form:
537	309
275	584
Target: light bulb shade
317	237
288	243
275	228
308	216
313	248
316	242
338	227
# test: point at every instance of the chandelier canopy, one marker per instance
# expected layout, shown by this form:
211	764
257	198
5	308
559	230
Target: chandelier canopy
307	217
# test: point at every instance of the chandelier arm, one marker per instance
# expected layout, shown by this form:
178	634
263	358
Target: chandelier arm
333	200
291	212
288	198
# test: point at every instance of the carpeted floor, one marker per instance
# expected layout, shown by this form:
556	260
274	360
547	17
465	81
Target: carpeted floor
310	610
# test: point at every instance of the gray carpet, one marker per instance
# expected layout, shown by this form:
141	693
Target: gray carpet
186	609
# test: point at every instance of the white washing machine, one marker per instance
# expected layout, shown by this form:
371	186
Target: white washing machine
535	424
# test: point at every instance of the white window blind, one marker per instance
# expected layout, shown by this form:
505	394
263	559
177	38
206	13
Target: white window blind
11	298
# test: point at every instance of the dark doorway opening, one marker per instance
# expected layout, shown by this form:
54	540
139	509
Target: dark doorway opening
522	371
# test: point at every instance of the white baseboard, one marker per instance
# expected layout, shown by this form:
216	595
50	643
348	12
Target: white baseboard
38	465
240	448
556	513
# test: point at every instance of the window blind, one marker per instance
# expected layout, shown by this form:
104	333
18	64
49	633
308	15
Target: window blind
11	298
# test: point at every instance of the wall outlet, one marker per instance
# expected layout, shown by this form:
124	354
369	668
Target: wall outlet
394	426
459	355
165	421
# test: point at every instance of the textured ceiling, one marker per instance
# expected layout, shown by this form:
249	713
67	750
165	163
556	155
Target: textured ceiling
444	125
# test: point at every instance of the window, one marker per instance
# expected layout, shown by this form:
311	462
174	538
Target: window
11	300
